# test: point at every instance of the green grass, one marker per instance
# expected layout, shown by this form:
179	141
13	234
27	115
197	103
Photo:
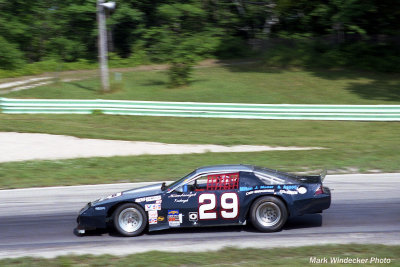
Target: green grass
245	84
360	145
227	257
46	66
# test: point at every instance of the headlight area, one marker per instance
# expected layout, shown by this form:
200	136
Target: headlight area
85	208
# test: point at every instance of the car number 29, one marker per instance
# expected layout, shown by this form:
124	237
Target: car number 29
208	206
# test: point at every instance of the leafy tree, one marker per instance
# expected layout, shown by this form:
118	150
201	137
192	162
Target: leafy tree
10	56
182	39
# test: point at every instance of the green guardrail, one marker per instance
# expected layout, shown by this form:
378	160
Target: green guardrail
209	110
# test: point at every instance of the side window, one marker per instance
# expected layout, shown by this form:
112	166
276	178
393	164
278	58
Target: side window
200	184
226	181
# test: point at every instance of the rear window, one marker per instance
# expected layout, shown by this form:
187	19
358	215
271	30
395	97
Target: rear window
269	179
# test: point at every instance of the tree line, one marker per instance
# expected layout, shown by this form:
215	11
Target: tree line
182	31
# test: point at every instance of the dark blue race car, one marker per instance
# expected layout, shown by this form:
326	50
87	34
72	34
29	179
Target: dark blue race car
209	196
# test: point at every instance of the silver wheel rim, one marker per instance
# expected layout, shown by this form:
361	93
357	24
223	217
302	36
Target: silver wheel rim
268	214
130	220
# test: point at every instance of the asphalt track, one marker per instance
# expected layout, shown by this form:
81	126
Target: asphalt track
39	222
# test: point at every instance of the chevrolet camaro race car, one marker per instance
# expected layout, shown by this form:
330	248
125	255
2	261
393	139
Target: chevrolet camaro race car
210	196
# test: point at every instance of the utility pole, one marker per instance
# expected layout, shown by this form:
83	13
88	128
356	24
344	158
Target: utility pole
102	42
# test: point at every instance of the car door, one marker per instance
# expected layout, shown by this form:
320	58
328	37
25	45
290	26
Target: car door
218	203
207	199
180	206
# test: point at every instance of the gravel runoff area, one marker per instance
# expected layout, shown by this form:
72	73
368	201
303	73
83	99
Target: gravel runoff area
35	146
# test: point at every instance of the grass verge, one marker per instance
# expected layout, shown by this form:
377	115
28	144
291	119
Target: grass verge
255	83
299	256
362	146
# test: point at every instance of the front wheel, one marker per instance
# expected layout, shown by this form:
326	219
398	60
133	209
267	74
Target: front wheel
129	219
268	214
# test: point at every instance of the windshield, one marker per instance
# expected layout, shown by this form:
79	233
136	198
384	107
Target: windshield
173	184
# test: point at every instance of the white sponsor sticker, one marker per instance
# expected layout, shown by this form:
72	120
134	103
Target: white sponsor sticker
302	190
174	223
288	192
153	214
149	207
138	200
193	216
153	198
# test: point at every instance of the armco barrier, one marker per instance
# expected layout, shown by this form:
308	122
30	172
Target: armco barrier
209	110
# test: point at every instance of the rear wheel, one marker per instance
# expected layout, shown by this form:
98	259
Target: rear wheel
268	214
130	219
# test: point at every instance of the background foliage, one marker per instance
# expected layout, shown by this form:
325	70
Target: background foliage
360	33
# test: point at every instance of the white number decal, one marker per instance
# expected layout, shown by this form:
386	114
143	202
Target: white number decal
229	206
229	210
207	210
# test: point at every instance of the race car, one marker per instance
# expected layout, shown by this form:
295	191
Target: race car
210	196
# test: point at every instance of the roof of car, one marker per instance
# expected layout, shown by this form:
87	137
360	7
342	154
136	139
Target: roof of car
243	168
228	167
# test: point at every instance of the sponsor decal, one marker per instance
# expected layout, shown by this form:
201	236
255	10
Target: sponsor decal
302	190
174	218
152	220
153	198
148	199
260	191
183	201
149	207
188	195
153	214
264	191
290	187
183	198
138	200
193	216
115	195
173	212
245	188
288	192
266	187
100	208
160	218
111	196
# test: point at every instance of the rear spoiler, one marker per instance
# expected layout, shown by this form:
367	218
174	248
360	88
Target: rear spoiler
313	178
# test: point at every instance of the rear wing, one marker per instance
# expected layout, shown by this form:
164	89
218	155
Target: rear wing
314	179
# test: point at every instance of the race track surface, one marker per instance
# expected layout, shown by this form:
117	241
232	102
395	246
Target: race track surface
40	222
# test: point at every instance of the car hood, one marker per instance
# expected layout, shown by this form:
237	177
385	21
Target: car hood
145	191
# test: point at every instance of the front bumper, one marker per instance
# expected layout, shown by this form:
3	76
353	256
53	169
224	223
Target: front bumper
90	219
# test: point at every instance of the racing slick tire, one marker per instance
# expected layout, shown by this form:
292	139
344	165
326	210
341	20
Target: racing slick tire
129	219
268	214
